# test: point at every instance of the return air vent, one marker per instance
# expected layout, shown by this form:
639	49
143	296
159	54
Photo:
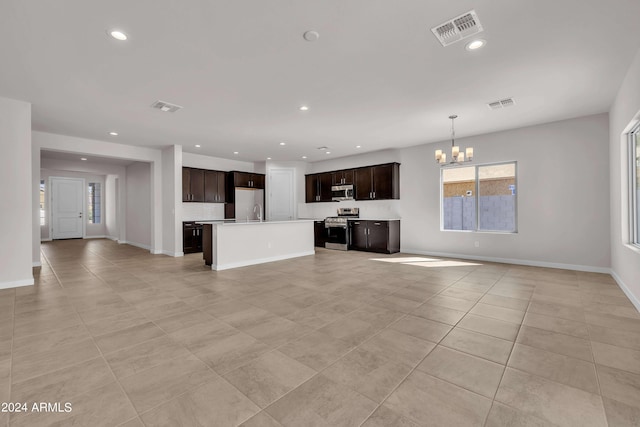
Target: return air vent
458	28
166	107
503	103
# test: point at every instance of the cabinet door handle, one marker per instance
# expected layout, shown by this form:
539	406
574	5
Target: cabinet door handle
374	194
376	223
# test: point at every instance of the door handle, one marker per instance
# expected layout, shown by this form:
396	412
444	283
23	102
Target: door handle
80	215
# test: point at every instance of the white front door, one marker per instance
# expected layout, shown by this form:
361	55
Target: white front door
67	208
281	195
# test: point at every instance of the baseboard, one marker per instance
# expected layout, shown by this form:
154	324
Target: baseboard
112	238
36	264
575	267
227	266
95	237
634	300
137	245
17	284
45	240
172	254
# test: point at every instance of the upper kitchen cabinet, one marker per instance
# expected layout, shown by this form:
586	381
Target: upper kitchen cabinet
344	177
204	186
247	180
318	187
192	185
378	182
214	186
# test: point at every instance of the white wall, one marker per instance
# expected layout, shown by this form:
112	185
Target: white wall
625	112
563	187
16	192
110	209
172	202
138	209
215	163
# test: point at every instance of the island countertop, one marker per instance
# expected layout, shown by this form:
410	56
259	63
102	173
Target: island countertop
241	243
249	222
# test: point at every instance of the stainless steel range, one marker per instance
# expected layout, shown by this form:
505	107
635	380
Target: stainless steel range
338	228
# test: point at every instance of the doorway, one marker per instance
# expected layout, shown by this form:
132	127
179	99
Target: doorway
67	208
281	195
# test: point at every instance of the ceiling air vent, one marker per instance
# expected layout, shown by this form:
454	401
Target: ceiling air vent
166	107
503	103
458	28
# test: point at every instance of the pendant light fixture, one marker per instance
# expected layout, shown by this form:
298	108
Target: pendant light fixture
456	155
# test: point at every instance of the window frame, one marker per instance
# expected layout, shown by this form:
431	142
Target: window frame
632	142
91	205
477	193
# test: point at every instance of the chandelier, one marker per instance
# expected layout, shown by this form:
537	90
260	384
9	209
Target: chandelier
456	155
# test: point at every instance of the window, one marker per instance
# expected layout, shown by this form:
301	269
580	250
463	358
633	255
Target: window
479	198
634	181
42	213
94	203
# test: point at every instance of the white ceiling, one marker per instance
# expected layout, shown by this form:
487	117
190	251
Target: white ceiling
377	77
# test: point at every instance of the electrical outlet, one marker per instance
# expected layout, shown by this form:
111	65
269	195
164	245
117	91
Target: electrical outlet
477	244
269	245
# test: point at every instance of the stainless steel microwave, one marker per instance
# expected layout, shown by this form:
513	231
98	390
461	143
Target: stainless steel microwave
341	192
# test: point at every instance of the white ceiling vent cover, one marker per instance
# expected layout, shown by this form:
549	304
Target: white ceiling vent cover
503	103
458	28
166	107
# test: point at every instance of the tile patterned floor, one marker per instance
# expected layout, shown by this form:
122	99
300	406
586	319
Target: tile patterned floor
335	339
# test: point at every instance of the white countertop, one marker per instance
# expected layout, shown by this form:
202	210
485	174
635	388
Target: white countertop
373	219
226	222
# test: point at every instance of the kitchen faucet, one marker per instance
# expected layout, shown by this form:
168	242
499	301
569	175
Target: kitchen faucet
259	207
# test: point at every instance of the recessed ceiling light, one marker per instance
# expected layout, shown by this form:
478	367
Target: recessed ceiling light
283	143
328	152
83	158
476	44
118	35
235	152
268	158
304	108
113	133
357	146
197	145
304	157
311	35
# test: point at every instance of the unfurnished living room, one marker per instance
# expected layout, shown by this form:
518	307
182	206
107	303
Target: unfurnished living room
337	213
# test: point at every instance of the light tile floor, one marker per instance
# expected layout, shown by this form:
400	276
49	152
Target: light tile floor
335	339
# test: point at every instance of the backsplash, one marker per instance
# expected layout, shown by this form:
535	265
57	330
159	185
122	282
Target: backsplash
202	211
374	209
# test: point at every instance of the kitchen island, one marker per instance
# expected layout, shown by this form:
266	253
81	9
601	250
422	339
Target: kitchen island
232	244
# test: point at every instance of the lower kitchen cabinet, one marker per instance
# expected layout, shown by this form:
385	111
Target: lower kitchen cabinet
375	236
191	237
319	233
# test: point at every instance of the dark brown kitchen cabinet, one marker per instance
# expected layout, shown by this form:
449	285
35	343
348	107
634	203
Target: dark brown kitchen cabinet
320	233
214	186
191	237
344	177
200	185
192	185
375	236
247	180
318	187
358	235
378	182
